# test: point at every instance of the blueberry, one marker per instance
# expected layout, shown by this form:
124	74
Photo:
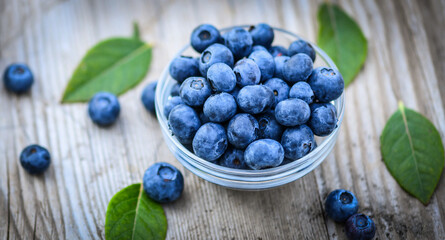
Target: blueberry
163	182
297	142
194	91
235	92
35	159
301	46
279	65
359	226
303	91
242	130
292	112
148	97
210	141
184	67
265	63
286	161
216	53
297	68
221	77
262	34
18	78
175	90
258	48
247	72
323	119
255	99
277	51
279	88
220	107
104	108
264	153
239	41
269	127
171	103
340	205
203	36
184	122
204	119
233	158
327	84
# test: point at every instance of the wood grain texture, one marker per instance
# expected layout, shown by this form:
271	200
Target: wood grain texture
406	61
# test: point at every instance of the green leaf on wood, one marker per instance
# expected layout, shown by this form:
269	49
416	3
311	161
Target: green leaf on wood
114	65
342	39
132	215
413	152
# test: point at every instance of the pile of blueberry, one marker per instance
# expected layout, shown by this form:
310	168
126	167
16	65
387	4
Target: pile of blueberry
247	104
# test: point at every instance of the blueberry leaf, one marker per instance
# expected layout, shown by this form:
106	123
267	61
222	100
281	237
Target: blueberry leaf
413	152
131	214
342	39
114	65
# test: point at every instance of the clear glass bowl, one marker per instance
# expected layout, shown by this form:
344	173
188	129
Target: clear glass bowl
238	178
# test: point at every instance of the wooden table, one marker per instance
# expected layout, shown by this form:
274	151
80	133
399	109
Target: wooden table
406	61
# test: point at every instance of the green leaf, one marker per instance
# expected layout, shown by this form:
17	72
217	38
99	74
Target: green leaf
342	39
132	215
114	65
413	152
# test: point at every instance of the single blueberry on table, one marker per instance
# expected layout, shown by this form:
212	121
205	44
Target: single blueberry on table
279	88
340	205
258	48
184	122
247	72
323	119
233	158
292	112
297	68
210	141
297	142
327	84
221	77
203	36
255	99
220	107
359	226
184	67
277	51
269	127
216	53
264	153
175	90
265	63
18	78
239	41
104	108
242	130
35	159
303	91
163	182
262	34
171	103
194	91
148	97
301	46
279	65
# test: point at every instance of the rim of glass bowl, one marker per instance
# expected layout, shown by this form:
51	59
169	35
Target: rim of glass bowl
248	175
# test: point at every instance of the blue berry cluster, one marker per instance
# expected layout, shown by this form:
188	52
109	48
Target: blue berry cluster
245	103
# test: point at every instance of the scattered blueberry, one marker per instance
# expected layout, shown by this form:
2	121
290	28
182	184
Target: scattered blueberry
35	159
242	130
279	65
262	34
171	103
184	122
18	78
239	41
359	226
297	68
216	53
175	90
247	72
258	48
255	99
327	84
269	127
148	97
277	51
194	91
203	36
210	141
163	182
265	63
279	88
301	46
184	67
340	205
264	153
292	112
221	77
303	91
104	108
297	142
323	119
220	107
233	158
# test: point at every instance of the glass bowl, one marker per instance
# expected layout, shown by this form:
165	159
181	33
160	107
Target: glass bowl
238	178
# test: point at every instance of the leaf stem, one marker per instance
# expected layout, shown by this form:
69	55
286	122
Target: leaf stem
136	32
